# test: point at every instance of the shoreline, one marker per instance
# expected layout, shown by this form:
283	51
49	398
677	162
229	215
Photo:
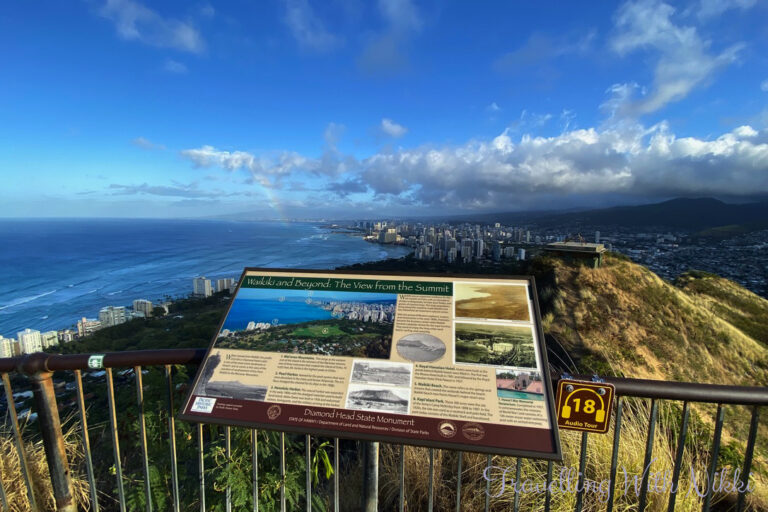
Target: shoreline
166	300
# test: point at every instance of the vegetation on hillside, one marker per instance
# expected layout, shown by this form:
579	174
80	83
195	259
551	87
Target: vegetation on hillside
620	319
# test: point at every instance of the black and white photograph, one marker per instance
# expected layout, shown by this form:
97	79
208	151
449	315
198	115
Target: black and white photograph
420	347
235	389
377	398
226	389
379	372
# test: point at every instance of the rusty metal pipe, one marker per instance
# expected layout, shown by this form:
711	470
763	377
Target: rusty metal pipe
53	441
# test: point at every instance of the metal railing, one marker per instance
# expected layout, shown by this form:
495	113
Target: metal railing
39	369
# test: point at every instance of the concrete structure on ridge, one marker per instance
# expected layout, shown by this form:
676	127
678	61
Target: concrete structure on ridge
583	252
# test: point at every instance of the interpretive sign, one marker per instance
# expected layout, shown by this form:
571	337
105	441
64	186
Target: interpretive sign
584	406
432	360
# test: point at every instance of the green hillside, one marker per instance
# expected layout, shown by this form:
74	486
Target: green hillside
621	319
627	321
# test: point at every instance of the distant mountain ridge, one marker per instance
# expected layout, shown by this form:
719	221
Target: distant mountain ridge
691	214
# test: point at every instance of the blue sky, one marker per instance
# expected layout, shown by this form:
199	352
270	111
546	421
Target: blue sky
299	108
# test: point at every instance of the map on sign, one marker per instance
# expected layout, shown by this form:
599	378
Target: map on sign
453	362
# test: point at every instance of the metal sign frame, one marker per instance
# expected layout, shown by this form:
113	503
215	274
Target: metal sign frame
273	411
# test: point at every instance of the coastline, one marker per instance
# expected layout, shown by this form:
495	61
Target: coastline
59	297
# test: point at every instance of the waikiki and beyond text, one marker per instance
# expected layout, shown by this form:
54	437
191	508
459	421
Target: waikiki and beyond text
356	285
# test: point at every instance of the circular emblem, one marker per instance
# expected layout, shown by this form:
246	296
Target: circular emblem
273	412
473	431
446	428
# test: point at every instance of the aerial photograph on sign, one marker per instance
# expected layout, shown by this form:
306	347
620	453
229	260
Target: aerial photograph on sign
491	301
420	347
376	372
522	383
375	398
226	388
495	344
307	322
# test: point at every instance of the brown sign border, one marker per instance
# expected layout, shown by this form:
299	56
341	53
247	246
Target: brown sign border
261	421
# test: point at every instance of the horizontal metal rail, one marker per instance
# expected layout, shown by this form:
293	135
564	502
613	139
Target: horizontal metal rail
39	368
638	388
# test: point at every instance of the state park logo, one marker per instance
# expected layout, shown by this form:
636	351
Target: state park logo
273	412
473	431
447	429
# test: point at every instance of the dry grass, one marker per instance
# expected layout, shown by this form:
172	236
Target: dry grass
13	482
631	460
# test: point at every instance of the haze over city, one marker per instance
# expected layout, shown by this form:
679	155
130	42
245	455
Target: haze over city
300	109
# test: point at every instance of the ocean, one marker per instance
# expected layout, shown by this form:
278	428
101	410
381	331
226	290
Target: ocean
57	271
292	309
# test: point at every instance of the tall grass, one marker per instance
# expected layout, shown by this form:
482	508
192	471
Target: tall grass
634	430
13	481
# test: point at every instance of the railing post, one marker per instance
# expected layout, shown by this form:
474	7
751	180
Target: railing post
50	428
370	476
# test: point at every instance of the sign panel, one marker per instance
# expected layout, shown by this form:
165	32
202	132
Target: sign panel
432	360
584	406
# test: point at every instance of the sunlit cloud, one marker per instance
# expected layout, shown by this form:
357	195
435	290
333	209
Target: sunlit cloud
683	59
307	28
135	22
392	129
630	160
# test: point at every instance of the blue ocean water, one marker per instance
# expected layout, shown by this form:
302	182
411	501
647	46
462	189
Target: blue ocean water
56	271
244	311
292	310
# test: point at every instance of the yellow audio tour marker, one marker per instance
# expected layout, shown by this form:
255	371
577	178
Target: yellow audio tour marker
584	405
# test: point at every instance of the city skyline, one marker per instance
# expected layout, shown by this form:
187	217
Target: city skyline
301	109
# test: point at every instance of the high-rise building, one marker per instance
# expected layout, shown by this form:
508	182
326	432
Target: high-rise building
49	339
201	287
112	315
389	236
597	237
87	326
225	285
6	347
521	253
66	335
496	252
143	306
30	341
479	248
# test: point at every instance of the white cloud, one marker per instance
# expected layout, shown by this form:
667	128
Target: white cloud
401	14
540	49
307	28
764	85
386	52
136	22
332	134
683	58
630	160
269	169
709	9
146	144
493	107
392	129
173	66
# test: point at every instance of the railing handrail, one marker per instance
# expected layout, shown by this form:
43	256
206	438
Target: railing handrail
640	388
